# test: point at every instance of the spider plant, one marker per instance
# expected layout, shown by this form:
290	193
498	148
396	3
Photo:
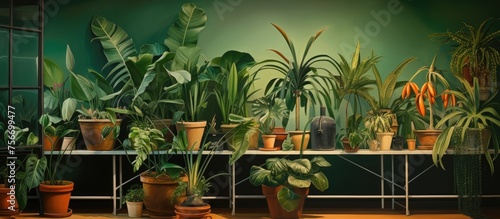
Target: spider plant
469	113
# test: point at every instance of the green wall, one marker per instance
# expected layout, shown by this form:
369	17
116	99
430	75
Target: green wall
395	30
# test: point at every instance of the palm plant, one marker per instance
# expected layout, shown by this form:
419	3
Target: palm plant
353	81
469	114
301	80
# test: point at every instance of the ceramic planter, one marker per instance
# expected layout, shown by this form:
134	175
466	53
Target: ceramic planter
56	199
275	209
268	141
134	209
92	134
6	202
192	212
296	137
411	144
68	143
385	140
194	132
163	125
158	193
347	146
373	145
52	143
281	136
426	138
397	143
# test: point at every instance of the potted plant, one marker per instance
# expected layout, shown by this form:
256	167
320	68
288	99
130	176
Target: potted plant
411	142
59	106
428	92
475	54
196	163
233	87
353	85
269	109
472	118
385	91
298	76
99	127
353	125
145	81
379	124
182	38
159	181
285	183
134	200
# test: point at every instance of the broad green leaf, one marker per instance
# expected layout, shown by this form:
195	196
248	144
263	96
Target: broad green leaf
52	73
68	108
117	47
298	183
185	30
288	199
320	181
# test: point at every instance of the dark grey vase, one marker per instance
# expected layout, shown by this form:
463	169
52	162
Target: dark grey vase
323	130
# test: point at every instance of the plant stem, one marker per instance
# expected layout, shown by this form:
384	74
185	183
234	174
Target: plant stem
297	110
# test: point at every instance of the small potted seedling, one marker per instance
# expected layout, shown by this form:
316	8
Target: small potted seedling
134	200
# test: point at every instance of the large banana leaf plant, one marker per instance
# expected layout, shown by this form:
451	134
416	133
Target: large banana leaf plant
470	113
301	81
142	77
298	173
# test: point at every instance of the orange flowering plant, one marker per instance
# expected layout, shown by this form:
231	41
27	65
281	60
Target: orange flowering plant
428	91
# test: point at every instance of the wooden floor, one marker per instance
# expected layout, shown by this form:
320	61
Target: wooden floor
314	214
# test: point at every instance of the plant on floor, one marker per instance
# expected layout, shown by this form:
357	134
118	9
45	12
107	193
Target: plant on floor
134	194
289	175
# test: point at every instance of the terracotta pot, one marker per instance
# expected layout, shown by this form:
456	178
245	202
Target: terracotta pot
347	146
56	198
385	140
274	206
8	202
268	141
194	132
50	144
92	134
158	193
297	139
411	143
134	209
192	212
163	125
281	136
426	138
